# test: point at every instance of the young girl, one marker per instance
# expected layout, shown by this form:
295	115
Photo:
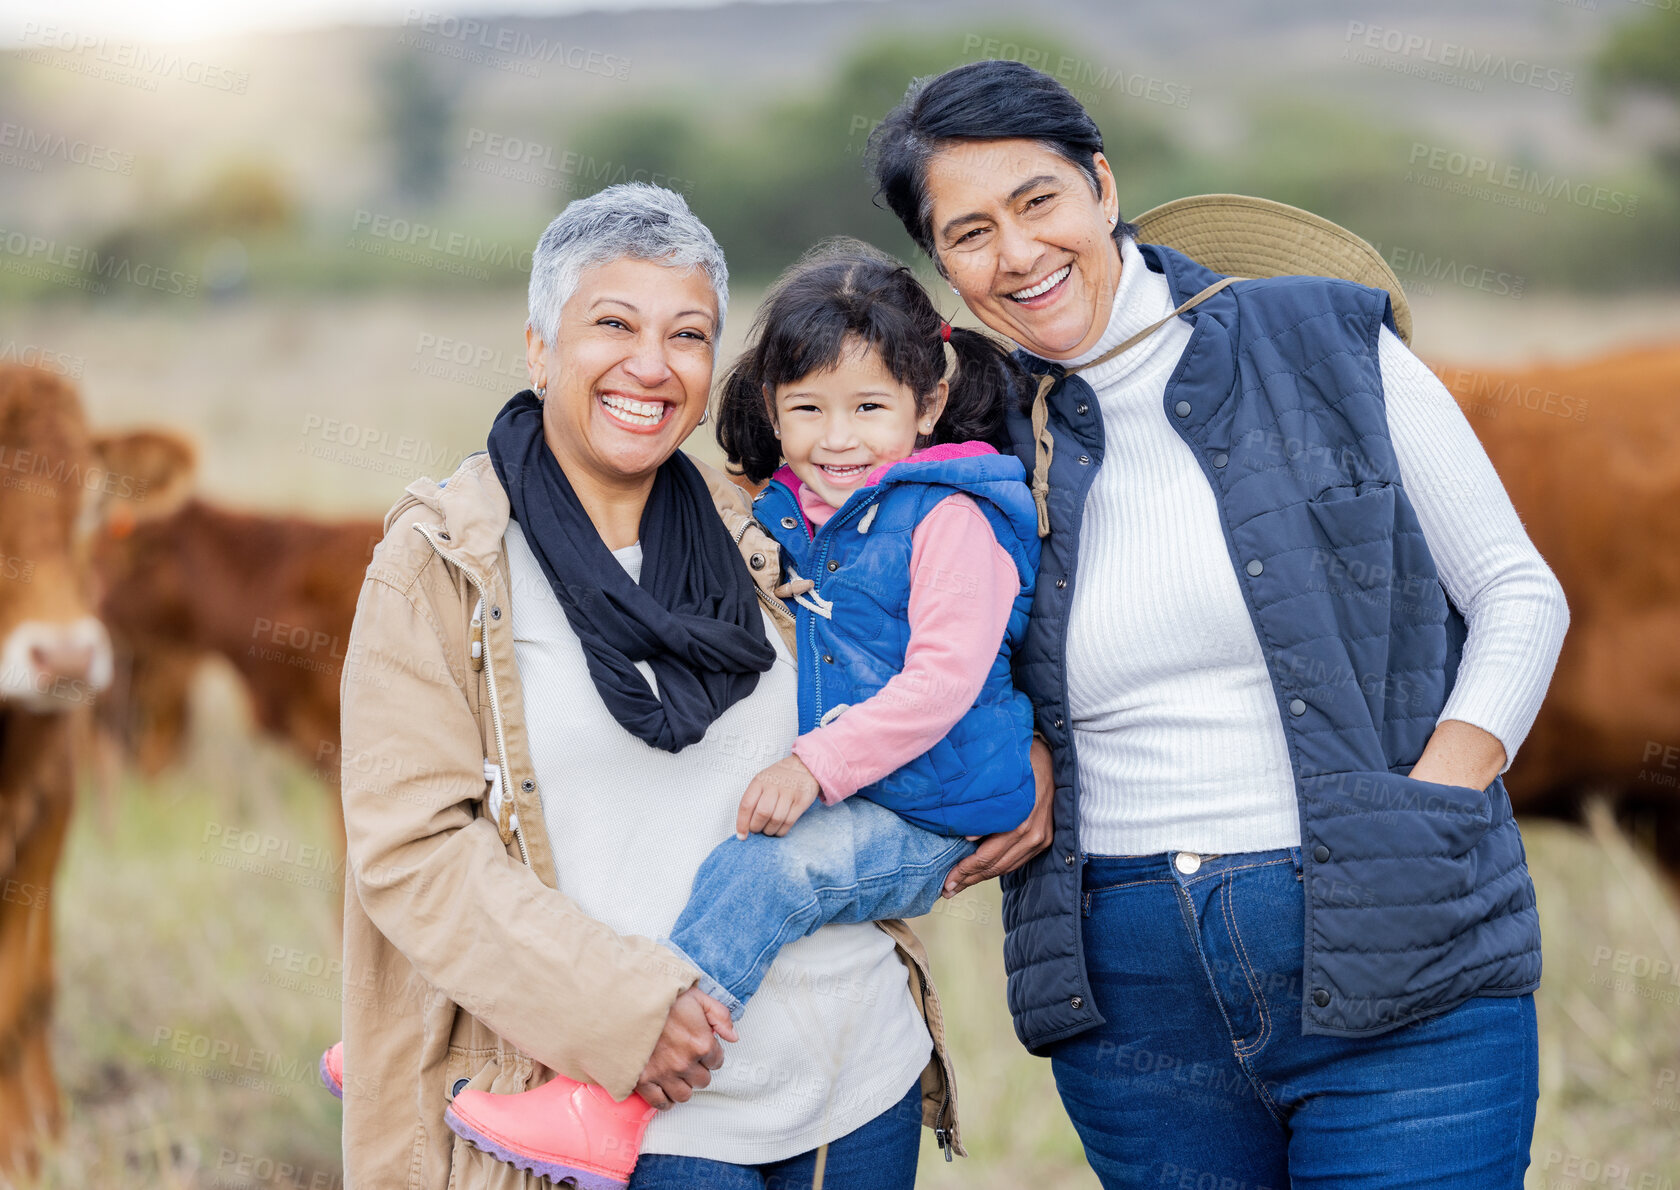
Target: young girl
909	549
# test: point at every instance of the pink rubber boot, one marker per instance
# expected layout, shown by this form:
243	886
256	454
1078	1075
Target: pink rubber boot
563	1129
332	1070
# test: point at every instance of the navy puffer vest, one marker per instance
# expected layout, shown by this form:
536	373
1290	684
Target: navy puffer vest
854	629
1417	894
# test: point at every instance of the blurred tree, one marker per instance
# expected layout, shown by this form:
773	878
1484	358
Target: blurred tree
242	197
1644	55
793	173
417	108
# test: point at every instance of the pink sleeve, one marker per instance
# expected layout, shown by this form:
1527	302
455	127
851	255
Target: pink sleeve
962	586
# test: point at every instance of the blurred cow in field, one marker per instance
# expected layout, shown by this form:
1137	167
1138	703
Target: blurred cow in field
274	595
58	482
1590	452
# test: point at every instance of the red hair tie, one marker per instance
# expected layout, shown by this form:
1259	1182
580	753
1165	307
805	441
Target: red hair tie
945	331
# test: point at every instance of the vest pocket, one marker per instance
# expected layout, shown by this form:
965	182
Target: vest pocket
858	611
1352	539
1380	840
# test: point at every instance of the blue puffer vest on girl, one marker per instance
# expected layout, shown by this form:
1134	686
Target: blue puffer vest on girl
1417	895
854	629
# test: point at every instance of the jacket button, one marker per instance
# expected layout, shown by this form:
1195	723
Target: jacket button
828	658
789	523
527	785
1077	1002
1061	584
1058	721
1084	460
495	613
1297	707
1082	408
443	536
1321	997
1321	854
1220	459
756	561
460	1085
833	565
1069	859
1182	408
1255	566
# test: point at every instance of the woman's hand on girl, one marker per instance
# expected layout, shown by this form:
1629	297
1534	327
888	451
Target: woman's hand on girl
776	798
1005	852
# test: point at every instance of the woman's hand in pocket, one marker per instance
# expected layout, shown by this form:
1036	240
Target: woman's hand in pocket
1460	753
776	798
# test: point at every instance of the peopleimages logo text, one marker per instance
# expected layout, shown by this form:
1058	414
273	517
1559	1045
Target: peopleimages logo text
1453	56
1472	167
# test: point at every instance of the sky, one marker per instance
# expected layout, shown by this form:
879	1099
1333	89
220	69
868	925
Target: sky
34	22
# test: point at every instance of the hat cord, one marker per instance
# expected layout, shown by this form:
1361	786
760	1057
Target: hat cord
1045	445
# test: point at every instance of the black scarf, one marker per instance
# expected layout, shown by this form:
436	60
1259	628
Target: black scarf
694	617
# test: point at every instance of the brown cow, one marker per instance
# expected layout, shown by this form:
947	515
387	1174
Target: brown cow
56	481
274	595
1590	453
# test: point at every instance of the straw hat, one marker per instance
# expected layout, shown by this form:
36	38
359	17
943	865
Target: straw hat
1255	237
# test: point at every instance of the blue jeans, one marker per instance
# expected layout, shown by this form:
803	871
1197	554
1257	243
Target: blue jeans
850	862
1201	1078
879	1155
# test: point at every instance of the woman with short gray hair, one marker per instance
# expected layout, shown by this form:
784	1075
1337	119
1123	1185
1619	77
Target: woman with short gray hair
566	662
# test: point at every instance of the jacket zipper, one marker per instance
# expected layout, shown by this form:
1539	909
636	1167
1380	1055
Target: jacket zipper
495	706
770	602
941	1133
817	571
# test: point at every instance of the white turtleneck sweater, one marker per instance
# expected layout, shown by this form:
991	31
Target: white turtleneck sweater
1178	733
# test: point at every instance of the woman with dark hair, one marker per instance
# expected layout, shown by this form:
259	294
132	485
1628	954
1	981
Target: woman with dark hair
1288	633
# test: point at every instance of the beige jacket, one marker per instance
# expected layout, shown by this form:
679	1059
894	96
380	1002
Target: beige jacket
461	958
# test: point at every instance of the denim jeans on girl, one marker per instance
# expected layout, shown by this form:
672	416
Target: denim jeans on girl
850	862
1201	1077
878	1155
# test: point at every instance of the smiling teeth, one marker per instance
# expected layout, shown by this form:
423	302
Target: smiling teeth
1044	286
646	412
843	472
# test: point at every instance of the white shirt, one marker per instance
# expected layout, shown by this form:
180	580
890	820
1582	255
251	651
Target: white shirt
832	1038
1177	728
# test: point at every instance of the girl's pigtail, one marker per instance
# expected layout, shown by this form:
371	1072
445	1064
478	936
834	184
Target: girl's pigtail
744	431
987	381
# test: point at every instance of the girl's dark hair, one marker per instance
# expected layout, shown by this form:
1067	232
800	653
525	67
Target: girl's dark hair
991	100
845	291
